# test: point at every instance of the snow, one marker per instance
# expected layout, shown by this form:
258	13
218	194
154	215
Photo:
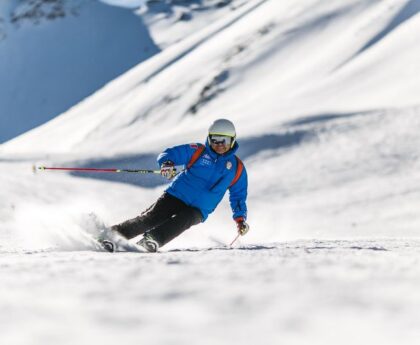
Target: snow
299	292
325	100
170	22
54	54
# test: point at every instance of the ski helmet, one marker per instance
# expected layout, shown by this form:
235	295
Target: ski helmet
223	127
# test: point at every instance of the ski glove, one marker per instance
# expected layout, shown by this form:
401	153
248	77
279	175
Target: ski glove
168	170
242	226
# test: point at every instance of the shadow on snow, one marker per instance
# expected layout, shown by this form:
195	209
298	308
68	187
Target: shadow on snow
290	135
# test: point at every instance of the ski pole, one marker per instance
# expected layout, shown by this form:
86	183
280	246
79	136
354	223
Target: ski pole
235	239
112	170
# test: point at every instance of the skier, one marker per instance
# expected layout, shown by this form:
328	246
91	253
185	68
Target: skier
211	170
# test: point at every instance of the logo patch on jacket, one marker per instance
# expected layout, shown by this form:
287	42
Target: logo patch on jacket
229	165
205	160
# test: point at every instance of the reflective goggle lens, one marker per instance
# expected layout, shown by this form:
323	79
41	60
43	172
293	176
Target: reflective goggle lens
220	139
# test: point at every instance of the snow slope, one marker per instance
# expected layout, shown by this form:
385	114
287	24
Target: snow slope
335	109
268	61
325	99
170	22
55	53
303	292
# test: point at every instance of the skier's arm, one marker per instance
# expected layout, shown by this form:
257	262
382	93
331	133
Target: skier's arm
179	155
238	194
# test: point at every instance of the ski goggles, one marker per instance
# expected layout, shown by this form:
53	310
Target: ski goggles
220	140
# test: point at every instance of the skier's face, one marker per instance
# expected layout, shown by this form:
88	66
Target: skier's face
220	144
220	148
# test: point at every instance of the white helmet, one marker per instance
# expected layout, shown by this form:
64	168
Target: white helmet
223	127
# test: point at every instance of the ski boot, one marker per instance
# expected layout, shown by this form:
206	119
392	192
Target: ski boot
149	243
106	239
109	246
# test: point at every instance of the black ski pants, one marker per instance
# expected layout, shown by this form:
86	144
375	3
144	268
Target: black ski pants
167	218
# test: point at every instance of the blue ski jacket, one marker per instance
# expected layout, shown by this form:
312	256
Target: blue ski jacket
205	183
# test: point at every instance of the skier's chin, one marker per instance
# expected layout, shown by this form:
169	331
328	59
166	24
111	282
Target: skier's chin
220	150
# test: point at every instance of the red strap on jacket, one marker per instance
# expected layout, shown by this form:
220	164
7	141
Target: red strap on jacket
199	152
239	168
196	155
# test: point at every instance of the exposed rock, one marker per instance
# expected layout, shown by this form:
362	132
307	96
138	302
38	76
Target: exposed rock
36	11
210	91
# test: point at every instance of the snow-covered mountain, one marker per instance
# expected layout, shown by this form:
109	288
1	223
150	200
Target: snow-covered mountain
171	21
325	97
62	51
334	83
55	53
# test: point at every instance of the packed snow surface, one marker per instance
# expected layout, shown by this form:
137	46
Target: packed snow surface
298	292
325	98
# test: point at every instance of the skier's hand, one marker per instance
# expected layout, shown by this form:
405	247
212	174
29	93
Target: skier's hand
168	170
242	226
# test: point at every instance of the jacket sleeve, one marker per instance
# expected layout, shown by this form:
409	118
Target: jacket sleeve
238	194
180	155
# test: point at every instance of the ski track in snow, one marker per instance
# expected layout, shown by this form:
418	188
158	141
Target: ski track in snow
356	291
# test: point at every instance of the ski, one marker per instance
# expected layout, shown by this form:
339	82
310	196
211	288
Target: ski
112	242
